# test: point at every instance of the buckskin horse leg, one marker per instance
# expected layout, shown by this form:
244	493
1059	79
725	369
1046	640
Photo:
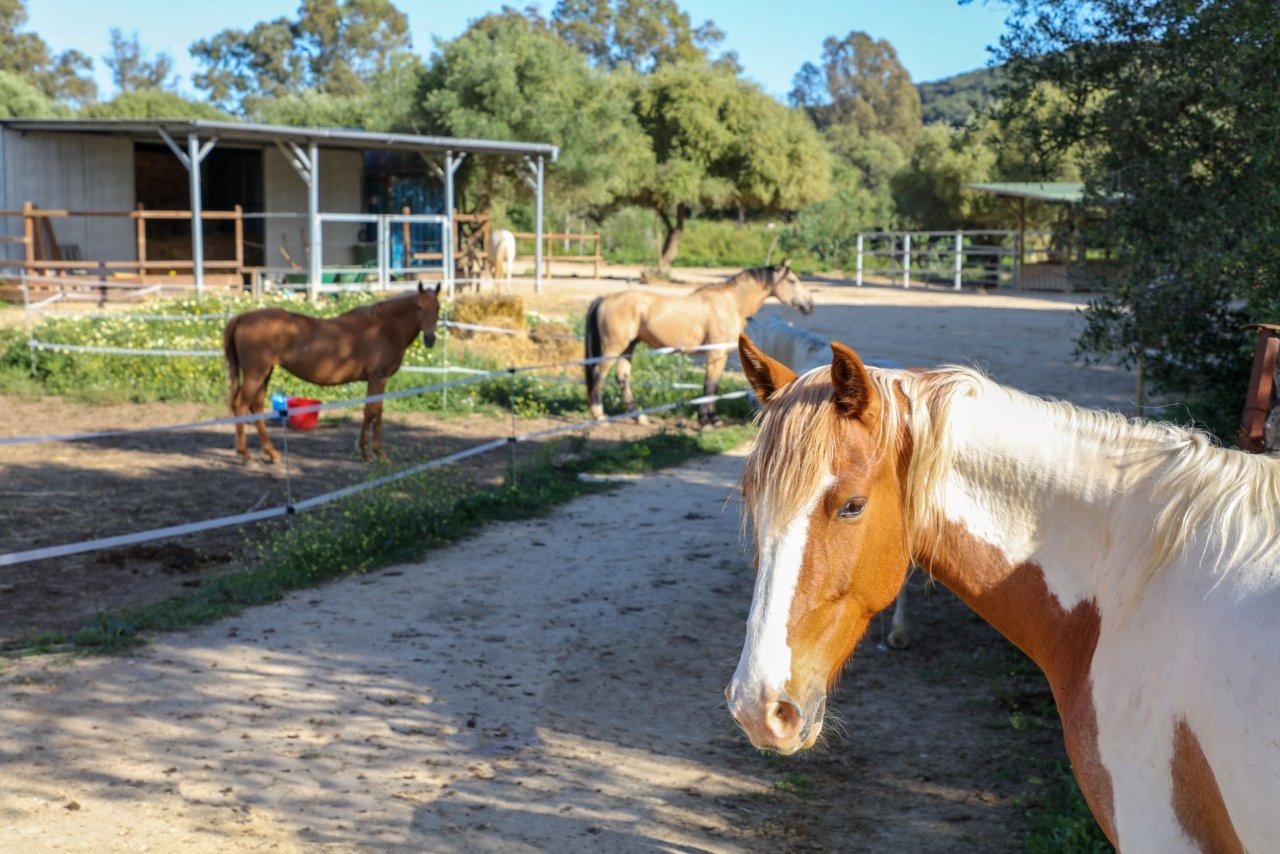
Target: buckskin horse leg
623	373
715	367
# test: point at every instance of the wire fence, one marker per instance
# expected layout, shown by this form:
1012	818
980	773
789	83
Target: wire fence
472	375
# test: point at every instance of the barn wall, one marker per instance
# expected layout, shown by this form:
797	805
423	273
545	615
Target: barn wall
83	172
341	191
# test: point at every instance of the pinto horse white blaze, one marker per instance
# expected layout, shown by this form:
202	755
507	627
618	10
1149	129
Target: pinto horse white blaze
1136	564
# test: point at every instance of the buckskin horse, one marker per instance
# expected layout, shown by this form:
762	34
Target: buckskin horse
366	343
1137	564
712	314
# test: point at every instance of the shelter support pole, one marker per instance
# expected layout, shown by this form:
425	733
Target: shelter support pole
534	181
858	275
451	163
314	259
191	159
537	264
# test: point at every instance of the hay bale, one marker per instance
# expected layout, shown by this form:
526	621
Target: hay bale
502	310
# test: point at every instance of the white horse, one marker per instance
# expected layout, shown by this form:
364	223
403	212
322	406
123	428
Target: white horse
502	255
802	351
1137	564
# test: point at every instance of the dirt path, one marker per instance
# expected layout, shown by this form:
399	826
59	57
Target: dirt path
550	684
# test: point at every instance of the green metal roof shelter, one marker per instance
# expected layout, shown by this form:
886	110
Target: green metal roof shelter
1065	192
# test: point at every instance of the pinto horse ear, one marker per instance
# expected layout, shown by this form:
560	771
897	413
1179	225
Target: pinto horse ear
765	375
851	382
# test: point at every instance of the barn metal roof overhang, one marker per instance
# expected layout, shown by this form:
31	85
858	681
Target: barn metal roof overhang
1063	192
301	148
261	134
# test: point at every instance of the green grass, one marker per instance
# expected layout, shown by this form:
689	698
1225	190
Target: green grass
104	378
391	524
1059	817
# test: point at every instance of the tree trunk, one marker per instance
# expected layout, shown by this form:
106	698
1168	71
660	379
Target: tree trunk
671	242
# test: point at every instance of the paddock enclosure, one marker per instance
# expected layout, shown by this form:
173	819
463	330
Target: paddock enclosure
546	683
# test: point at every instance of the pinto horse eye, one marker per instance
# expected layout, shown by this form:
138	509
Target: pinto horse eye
853	508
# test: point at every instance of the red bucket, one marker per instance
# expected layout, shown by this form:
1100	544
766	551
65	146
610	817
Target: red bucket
303	420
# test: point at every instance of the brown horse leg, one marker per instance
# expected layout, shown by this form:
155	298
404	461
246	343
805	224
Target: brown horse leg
254	390
238	408
715	367
373	418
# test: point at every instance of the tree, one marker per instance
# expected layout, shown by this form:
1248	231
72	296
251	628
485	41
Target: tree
335	47
152	104
928	191
64	77
1178	102
388	105
131	71
718	142
860	83
21	99
511	77
636	34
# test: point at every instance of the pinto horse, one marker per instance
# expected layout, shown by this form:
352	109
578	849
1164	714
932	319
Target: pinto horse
1137	564
713	314
366	343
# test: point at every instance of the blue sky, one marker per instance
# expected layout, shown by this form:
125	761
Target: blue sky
934	38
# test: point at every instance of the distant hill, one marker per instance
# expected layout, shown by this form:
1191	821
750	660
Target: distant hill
956	99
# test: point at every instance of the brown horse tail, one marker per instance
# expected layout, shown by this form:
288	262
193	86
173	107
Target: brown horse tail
593	347
232	356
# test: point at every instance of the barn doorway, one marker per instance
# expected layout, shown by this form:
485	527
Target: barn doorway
229	176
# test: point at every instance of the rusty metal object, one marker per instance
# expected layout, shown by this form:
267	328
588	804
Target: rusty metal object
1261	388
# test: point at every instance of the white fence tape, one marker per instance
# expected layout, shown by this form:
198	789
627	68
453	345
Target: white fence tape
14	558
261	416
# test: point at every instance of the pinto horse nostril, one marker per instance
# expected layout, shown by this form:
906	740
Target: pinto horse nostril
784	720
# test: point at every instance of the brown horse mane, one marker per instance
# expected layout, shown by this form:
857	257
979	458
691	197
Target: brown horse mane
757	274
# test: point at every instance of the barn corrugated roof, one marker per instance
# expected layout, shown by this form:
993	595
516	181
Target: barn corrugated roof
249	132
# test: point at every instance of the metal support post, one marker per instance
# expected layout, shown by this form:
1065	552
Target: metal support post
537	252
451	164
314	237
858	275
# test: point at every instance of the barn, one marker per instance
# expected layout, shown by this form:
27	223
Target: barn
163	203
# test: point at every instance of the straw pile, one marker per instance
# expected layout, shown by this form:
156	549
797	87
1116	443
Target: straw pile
549	343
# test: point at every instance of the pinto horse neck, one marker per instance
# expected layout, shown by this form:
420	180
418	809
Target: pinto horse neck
1094	544
1136	564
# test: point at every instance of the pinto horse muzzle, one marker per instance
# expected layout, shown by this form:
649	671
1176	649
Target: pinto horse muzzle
779	724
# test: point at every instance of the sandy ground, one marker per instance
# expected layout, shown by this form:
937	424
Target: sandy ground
546	684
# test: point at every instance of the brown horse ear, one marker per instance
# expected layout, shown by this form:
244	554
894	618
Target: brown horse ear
765	375
852	383
437	288
419	286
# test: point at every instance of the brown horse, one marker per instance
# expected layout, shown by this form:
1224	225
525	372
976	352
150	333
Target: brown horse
366	343
713	314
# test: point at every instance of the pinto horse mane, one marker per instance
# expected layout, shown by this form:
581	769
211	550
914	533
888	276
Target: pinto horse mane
1197	485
